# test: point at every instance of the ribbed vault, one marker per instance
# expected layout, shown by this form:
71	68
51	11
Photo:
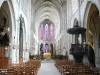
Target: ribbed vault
46	9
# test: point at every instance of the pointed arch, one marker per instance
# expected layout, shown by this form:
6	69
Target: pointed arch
12	14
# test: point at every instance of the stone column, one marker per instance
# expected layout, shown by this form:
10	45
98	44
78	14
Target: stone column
12	54
7	52
17	55
26	55
97	50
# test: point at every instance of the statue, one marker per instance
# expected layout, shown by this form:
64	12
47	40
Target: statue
90	54
21	23
21	19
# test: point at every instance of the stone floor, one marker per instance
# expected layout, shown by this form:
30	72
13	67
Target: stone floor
48	68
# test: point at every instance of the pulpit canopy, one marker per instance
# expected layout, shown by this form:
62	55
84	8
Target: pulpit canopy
76	30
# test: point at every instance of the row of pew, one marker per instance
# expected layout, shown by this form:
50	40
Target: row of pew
29	68
70	68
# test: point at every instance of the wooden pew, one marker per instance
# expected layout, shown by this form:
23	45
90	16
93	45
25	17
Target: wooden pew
68	67
28	68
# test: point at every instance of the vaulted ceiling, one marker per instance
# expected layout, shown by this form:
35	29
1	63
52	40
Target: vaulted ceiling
47	9
60	1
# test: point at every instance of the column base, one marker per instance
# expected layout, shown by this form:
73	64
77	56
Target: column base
20	60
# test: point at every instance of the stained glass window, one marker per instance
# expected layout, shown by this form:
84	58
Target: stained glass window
46	31
41	31
51	31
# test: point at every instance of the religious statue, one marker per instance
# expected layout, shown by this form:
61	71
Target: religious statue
89	52
21	23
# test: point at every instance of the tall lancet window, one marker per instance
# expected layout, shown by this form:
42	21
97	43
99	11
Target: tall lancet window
52	32
41	31
46	32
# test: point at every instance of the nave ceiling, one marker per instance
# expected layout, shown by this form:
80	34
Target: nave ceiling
47	9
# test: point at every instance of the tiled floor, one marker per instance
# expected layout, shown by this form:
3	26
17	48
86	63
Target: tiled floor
48	68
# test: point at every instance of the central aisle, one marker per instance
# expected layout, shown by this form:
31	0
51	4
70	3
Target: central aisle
48	68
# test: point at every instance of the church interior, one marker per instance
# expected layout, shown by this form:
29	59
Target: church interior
49	37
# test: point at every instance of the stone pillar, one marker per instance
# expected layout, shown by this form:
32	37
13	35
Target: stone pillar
25	55
7	52
97	50
17	55
13	55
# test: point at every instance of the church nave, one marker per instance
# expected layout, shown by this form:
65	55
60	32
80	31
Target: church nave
48	68
49	37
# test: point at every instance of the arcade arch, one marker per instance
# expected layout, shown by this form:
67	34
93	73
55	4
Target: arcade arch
92	20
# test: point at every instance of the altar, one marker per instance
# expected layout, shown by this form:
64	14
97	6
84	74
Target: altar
47	55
